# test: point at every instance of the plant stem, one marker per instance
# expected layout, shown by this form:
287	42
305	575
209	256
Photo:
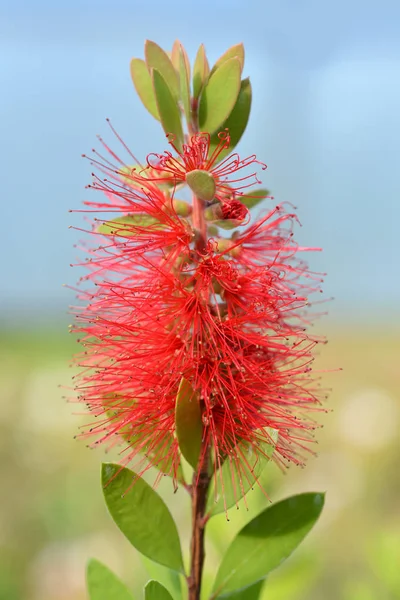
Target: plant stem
199	223
201	482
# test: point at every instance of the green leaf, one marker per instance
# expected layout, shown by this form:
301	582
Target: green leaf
236	51
201	71
155	591
142	516
237	121
103	584
128	225
168	109
159	60
169	579
178	49
202	183
234	487
254	197
184	78
188	423
219	96
143	85
265	542
252	592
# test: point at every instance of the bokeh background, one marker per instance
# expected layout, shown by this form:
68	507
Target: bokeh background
326	120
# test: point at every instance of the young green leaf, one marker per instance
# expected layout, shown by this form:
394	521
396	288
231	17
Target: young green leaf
168	108
155	591
219	96
142	516
159	60
237	121
184	78
254	197
236	51
178	49
201	71
265	542
143	85
188	423
233	486
103	584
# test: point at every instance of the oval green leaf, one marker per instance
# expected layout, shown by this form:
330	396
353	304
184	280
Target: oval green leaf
237	121
265	542
188	423
168	109
143	85
219	96
142	516
231	488
178	49
236	51
103	584
159	60
201	71
254	197
155	591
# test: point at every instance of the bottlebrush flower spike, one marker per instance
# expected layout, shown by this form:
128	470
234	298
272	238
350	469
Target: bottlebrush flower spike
230	318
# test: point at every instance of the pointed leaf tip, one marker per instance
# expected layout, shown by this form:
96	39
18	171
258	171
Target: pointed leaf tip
155	591
265	542
157	58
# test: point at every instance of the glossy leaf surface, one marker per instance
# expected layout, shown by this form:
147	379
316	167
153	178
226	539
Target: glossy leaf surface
201	71
236	51
144	87
168	109
219	96
142	516
158	59
237	121
265	542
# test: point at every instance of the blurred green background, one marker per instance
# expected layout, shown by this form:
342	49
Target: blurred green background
325	118
53	517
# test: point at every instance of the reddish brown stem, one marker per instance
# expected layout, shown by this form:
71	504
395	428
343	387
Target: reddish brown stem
199	224
201	482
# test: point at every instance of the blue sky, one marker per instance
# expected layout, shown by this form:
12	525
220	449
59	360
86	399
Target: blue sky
325	119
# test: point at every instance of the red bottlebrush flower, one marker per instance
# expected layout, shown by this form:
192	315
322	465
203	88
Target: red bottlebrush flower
234	210
198	157
230	321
